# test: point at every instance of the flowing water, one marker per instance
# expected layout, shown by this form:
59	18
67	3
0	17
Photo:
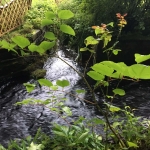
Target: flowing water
21	121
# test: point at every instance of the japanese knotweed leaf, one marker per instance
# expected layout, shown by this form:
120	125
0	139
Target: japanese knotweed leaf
67	29
65	14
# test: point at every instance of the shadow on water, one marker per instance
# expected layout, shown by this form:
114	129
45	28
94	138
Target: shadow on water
21	121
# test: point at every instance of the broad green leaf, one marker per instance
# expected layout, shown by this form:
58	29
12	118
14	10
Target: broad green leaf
96	76
80	91
90	40
120	92
54	87
21	41
117	75
6	45
114	108
62	83
103	69
45	82
139	71
140	58
29	87
84	49
50	36
67	29
82	137
99	31
67	110
47	45
50	15
131	144
118	67
33	47
65	14
46	22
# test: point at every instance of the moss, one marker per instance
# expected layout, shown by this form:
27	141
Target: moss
36	64
38	73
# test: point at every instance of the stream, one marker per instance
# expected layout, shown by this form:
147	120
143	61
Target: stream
21	121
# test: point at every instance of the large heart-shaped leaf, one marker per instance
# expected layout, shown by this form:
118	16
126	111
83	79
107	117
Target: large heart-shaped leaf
67	29
45	82
21	41
65	14
62	83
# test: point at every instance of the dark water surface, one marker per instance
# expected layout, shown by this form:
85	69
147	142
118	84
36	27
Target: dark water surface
21	121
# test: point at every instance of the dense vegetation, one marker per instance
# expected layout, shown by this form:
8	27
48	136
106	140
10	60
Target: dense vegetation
85	26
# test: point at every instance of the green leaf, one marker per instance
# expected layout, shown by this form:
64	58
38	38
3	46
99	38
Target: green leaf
46	22
120	67
62	83
50	36
67	110
47	45
120	92
96	76
84	49
103	69
54	88
131	144
34	146
65	14
108	96
59	133
21	41
139	71
97	121
65	129
90	40
25	102
29	87
33	47
24	54
140	58
110	24
50	15
99	31
82	137
8	46
106	38
115	124
115	52
114	108
67	29
80	91
45	82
